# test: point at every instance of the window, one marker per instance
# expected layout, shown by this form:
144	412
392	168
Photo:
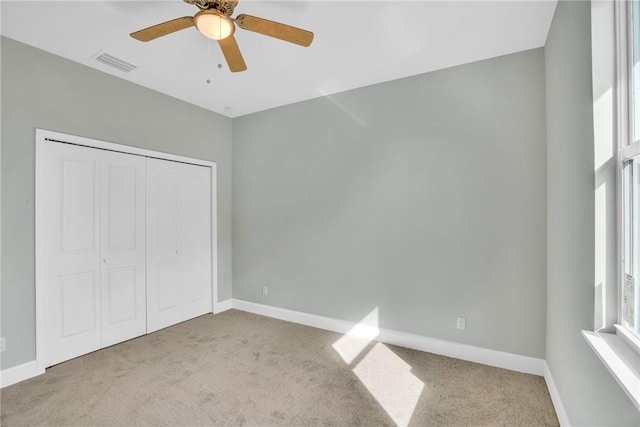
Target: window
629	159
615	30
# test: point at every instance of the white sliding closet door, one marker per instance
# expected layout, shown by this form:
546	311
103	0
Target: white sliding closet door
93	249
163	244
123	247
196	241
71	251
178	242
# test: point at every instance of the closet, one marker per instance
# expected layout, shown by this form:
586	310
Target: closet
124	247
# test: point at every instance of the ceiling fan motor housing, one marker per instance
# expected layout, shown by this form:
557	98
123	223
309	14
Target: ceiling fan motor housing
225	7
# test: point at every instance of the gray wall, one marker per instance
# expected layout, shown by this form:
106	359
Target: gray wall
588	391
424	197
46	91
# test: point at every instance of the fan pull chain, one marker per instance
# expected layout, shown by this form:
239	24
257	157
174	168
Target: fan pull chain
219	32
219	58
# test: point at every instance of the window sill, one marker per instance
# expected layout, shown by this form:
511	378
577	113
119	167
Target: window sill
620	359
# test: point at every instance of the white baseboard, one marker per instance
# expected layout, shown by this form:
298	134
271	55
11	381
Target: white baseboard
499	359
470	353
223	306
19	373
563	418
316	321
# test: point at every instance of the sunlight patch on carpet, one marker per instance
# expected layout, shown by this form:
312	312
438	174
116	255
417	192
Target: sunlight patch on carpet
390	381
385	375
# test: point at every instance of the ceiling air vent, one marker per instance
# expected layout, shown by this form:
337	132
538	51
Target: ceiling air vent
114	62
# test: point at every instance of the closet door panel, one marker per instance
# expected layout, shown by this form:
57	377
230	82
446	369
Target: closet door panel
168	289
196	240
164	288
167	206
70	261
77	299
123	247
121	302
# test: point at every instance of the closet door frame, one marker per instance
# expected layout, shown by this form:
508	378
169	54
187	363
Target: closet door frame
46	137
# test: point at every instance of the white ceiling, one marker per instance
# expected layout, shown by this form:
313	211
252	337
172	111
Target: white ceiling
357	43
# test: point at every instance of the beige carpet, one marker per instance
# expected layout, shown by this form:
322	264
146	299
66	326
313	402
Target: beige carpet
236	368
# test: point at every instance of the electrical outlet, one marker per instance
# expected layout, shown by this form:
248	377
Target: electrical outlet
265	291
3	344
462	323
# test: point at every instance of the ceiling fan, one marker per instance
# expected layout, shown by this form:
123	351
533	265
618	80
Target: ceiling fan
215	22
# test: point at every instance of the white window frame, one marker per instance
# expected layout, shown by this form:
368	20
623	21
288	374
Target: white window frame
627	149
616	346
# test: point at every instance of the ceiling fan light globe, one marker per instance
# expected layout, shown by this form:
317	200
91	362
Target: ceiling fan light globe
214	25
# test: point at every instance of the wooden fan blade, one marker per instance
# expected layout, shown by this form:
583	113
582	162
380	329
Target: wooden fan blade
232	54
275	29
163	29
